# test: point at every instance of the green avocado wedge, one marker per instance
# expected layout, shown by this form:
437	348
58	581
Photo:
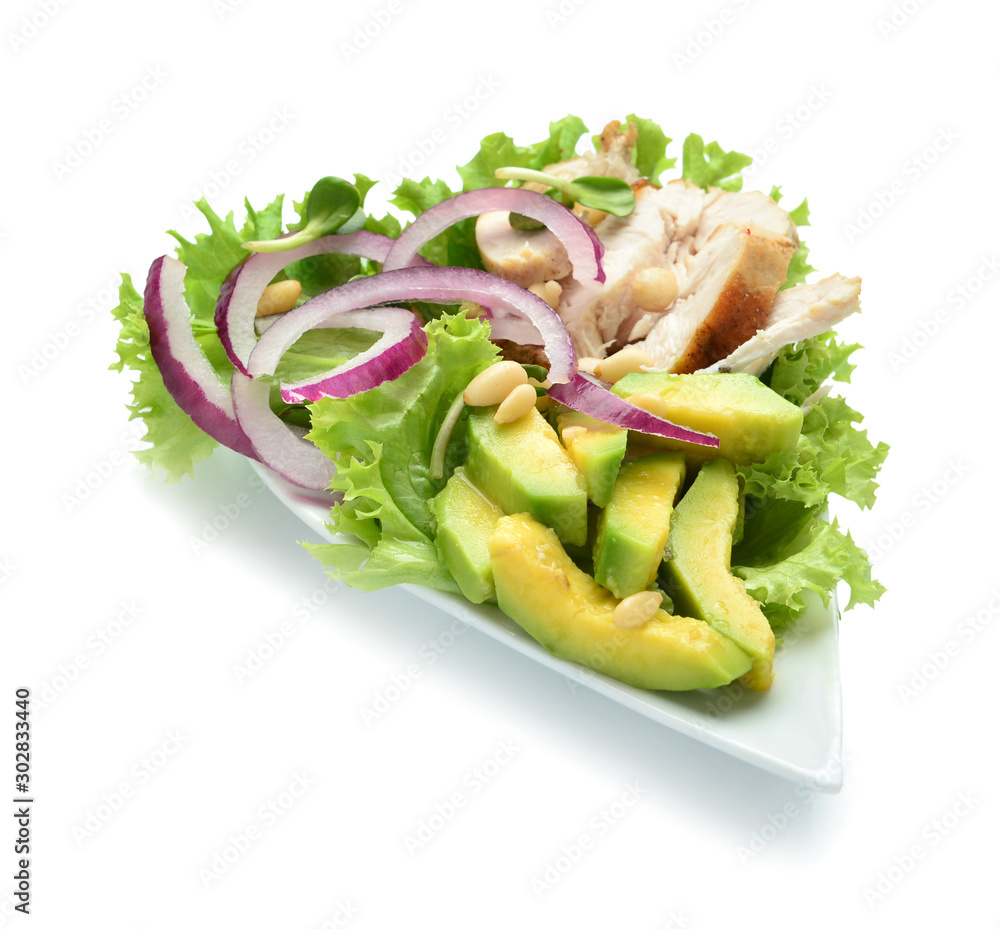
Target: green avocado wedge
465	520
750	420
569	613
597	450
632	529
701	582
523	468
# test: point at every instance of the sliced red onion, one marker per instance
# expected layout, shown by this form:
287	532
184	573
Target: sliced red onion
280	446
236	307
403	344
582	245
587	394
514	329
431	285
187	373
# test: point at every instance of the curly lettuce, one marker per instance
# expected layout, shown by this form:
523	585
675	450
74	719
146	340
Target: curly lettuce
382	442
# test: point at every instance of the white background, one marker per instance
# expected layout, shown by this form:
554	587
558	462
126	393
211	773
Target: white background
154	757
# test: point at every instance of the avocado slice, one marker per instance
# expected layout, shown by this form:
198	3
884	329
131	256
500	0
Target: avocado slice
522	467
750	420
633	527
702	584
597	450
570	614
465	521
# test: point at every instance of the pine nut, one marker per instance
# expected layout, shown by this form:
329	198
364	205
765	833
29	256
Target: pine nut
519	402
588	364
650	402
629	360
549	291
279	297
638	609
654	289
572	433
590	216
495	383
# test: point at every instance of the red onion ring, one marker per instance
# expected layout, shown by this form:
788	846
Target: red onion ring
431	285
187	373
582	245
276	444
236	307
402	345
587	394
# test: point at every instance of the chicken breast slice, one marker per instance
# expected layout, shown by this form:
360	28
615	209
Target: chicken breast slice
692	215
594	313
724	300
749	207
797	313
525	258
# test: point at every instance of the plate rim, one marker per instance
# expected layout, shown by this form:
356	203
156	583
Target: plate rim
313	510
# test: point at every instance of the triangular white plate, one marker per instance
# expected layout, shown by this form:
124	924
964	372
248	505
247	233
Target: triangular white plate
794	730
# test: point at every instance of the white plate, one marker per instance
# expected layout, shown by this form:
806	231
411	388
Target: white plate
794	730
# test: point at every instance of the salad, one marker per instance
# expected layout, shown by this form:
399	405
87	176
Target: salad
592	386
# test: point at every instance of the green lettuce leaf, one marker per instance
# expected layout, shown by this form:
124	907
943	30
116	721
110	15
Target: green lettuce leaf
711	166
210	257
794	551
788	548
798	268
801	369
833	456
649	154
382	442
176	443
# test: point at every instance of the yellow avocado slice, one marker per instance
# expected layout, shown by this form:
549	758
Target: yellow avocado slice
568	612
701	542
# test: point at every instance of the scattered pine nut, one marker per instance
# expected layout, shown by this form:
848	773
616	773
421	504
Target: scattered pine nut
654	289
629	360
638	609
279	297
549	291
519	402
495	383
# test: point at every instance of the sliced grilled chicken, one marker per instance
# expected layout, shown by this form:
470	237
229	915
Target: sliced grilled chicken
525	258
725	298
796	314
594	313
746	207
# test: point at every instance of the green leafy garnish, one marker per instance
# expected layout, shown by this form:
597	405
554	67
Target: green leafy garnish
331	203
610	194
